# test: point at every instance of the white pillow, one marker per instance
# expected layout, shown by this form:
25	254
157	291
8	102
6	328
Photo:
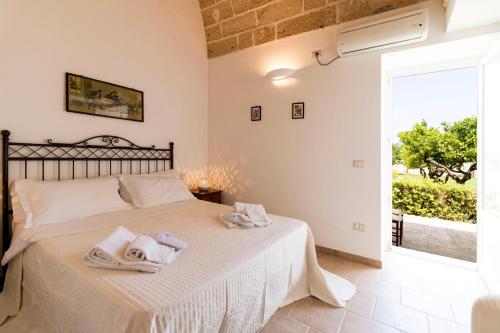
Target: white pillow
37	203
153	191
161	174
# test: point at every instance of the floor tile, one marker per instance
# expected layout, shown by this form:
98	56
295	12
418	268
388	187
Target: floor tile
439	325
352	271
318	314
313	330
350	275
402	278
354	323
381	289
400	317
283	324
287	310
361	304
462	313
463	287
426	303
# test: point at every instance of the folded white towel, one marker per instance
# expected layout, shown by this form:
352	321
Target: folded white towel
145	248
110	253
254	212
241	220
166	238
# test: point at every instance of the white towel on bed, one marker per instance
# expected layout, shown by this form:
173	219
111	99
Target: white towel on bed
145	248
109	253
254	212
240	220
246	216
166	238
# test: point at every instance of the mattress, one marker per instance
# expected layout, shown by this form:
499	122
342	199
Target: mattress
227	280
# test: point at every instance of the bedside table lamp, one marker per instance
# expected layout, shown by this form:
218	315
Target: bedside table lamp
204	184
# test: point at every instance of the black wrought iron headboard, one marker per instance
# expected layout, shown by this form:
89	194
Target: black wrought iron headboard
97	150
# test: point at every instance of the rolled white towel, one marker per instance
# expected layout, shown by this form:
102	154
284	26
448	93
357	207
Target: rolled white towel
255	212
145	248
166	238
109	253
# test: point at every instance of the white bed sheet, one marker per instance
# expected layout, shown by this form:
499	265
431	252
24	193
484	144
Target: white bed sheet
227	280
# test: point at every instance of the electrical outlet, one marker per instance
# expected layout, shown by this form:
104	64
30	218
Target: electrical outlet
316	53
358	227
358	163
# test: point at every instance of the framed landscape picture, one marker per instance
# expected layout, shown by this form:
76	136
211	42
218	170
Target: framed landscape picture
255	113
298	110
99	98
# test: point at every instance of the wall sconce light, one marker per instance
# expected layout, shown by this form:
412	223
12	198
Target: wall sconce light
280	74
204	184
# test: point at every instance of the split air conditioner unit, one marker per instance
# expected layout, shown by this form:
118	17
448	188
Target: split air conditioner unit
404	29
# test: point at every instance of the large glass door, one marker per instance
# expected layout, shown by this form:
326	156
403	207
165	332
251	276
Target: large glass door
489	231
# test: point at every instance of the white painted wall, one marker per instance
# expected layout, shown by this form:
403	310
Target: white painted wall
157	46
303	168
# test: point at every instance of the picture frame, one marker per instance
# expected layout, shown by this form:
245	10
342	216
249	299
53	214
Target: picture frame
104	99
256	113
298	110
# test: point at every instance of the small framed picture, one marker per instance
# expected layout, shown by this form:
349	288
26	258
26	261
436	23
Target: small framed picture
256	113
298	110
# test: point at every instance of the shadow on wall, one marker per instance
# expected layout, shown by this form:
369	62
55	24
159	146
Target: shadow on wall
192	175
230	178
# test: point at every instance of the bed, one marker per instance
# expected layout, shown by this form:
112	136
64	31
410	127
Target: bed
227	280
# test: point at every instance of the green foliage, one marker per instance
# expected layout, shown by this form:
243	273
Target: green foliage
430	199
397	157
441	154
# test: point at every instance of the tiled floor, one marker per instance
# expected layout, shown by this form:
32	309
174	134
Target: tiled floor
451	243
407	295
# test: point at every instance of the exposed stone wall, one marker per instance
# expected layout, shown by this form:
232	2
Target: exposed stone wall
233	25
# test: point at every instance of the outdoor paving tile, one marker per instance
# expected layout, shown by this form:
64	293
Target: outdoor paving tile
451	243
414	228
409	235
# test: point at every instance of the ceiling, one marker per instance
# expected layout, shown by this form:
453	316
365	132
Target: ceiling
465	14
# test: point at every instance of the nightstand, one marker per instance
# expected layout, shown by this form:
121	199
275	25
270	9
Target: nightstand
211	195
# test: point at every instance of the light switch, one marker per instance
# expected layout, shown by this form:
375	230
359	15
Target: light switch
358	163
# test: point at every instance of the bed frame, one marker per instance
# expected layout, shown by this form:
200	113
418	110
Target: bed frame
114	153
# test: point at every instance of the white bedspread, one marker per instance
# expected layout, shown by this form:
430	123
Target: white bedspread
227	280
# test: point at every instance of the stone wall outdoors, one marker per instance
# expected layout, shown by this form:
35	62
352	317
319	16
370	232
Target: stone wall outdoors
233	25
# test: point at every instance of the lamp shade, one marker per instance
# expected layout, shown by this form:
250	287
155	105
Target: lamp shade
204	184
280	73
